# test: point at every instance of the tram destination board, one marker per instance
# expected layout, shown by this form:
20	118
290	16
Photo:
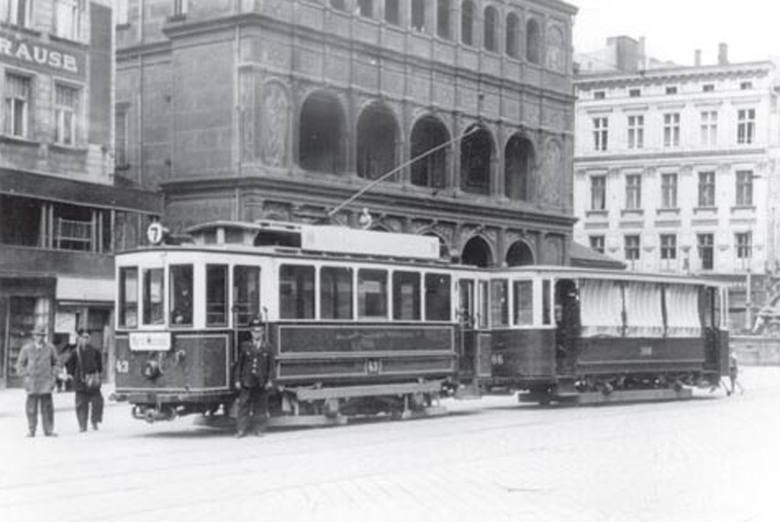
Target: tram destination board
369	338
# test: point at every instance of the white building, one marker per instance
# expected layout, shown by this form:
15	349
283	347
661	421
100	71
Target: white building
675	167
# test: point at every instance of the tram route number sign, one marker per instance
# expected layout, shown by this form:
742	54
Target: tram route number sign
155	233
150	341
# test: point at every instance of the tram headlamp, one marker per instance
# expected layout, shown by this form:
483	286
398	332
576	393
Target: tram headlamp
151	370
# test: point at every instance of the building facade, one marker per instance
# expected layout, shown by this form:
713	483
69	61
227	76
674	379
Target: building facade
676	169
61	213
284	109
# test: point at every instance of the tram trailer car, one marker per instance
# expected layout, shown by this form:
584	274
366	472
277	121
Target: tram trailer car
593	336
353	331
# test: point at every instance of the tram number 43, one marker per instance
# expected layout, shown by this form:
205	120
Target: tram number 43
122	366
373	366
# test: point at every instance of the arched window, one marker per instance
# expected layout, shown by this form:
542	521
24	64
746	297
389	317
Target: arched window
418	15
519	254
476	154
321	138
377	134
477	253
518	168
467	22
512	40
443	19
491	19
532	41
431	169
556	51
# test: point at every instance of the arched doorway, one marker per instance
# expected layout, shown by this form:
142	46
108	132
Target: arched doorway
477	252
377	135
519	162
321	134
519	254
431	169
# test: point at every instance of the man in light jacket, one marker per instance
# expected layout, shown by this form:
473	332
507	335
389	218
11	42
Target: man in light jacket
37	365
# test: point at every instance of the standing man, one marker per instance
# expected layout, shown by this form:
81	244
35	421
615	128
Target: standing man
85	364
37	365
253	379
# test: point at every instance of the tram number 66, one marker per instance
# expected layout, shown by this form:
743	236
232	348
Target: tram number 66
497	359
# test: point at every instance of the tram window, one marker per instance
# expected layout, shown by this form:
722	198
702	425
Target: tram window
546	303
246	293
216	295
372	294
406	296
181	295
128	297
153	296
499	304
523	293
438	305
296	292
335	292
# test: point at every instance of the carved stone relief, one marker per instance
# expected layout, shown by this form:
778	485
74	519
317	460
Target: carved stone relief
275	121
555	52
549	187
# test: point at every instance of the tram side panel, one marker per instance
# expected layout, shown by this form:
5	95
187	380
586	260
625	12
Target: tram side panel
523	358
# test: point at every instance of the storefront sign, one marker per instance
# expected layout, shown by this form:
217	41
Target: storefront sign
40	55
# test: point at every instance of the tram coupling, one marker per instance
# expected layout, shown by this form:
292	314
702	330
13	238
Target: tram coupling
152	414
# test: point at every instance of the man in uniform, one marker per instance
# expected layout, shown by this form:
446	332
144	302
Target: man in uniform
38	364
253	379
84	361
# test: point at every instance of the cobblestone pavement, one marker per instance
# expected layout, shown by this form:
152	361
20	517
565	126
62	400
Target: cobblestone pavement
712	458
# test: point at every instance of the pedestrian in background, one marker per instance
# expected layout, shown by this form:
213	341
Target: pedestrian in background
734	374
253	379
38	365
85	365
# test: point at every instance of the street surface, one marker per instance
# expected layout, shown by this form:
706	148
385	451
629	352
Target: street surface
712	458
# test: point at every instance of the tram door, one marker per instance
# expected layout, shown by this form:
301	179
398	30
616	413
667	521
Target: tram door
475	337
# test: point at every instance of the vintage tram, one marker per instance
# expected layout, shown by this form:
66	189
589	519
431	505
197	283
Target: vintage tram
364	322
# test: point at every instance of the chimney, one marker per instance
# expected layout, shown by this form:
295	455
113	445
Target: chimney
642	65
697	58
723	54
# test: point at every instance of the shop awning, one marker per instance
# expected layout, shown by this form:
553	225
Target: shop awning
585	257
52	188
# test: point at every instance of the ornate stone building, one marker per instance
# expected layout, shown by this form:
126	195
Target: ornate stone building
284	109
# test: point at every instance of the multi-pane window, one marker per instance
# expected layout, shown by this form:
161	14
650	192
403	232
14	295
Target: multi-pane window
512	32
499	302
708	87
636	132
672	129
744	188
635	93
633	191
128	297
406	296
709	127
122	15
668	246
669	190
746	126
597	243
120	137
600	133
335	292
153	296
180	288
216	295
372	294
745	86
671	89
16	12
418	15
706	246
706	189
744	241
366	8
467	22
296	292
392	12
523	298
631	247
17	104
443	19
180	7
599	95
598	193
66	108
67	18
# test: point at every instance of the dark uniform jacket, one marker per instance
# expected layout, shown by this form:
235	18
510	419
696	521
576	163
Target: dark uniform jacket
255	365
82	361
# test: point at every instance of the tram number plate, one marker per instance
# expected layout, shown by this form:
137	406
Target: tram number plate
646	351
122	366
373	366
497	359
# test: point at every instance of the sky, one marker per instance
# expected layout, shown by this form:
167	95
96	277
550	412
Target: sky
674	29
